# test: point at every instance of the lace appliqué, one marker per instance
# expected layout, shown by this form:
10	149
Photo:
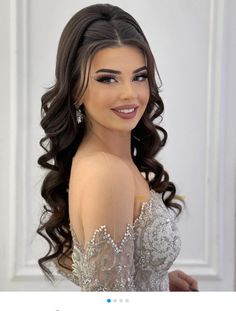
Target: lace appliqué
139	263
157	244
103	265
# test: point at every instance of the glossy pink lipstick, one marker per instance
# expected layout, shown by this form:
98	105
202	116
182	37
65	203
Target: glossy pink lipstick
126	111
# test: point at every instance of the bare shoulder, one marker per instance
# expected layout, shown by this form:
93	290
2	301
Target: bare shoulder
104	163
106	172
106	194
99	169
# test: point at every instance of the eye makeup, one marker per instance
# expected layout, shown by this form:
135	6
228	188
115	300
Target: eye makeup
106	79
142	75
109	78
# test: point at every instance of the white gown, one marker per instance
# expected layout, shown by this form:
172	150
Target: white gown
139	263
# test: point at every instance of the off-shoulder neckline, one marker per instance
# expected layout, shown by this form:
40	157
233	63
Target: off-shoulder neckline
143	207
129	227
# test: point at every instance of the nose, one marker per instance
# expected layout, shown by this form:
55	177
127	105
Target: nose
127	91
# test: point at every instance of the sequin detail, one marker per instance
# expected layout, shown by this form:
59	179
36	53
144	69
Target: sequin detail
139	263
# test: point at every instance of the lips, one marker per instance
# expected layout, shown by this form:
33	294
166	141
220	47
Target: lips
126	115
125	107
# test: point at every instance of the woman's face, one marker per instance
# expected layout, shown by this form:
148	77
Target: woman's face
118	77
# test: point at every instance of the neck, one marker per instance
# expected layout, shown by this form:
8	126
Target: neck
114	142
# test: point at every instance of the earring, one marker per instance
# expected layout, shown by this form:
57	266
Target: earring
79	116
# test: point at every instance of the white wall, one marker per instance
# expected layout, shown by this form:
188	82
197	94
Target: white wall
194	44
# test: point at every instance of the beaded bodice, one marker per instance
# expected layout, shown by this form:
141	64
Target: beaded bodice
141	261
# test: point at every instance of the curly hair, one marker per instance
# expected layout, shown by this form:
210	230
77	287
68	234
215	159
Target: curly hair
88	31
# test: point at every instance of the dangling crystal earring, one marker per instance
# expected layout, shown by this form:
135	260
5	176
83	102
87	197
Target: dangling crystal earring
79	116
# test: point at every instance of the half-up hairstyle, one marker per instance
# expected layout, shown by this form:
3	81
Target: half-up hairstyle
88	31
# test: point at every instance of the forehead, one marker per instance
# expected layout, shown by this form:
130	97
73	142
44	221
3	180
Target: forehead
126	57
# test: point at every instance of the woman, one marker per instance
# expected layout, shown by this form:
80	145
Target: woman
108	226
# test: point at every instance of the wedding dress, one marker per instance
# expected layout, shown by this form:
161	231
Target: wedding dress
139	263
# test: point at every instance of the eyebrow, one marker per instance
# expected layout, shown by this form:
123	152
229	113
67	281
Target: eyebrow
119	72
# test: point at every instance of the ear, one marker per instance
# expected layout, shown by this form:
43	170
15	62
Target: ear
80	99
77	101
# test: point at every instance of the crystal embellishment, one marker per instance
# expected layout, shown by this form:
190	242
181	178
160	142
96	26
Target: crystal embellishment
139	263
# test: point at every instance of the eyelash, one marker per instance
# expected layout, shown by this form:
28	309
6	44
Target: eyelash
105	78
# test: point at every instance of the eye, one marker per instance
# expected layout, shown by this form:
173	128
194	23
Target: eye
141	77
106	79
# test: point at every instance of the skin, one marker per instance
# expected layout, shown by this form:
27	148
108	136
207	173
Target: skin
180	281
107	131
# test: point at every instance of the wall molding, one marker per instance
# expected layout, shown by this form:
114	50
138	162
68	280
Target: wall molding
19	177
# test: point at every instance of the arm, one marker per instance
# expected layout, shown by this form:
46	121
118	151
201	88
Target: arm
107	199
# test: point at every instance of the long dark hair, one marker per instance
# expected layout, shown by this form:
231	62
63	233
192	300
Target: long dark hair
91	29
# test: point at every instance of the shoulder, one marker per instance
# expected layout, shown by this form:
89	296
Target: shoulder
106	174
104	164
106	194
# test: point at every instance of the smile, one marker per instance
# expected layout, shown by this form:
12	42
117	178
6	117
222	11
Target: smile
125	110
126	113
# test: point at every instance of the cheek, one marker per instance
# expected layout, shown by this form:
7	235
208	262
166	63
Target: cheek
144	94
93	99
101	97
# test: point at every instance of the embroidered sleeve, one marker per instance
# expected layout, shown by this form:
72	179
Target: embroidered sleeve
103	265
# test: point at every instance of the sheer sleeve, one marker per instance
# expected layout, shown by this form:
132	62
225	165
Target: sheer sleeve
104	261
104	265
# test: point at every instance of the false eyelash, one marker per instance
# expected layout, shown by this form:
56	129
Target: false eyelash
144	75
104	78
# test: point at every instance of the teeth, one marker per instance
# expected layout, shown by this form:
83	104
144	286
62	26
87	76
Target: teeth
126	110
